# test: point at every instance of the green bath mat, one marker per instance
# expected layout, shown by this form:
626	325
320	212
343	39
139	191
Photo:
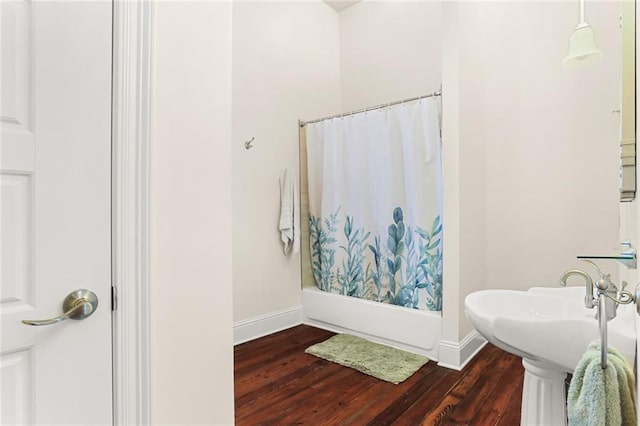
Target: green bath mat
380	361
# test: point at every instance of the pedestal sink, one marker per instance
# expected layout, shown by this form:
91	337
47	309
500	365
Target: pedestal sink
550	329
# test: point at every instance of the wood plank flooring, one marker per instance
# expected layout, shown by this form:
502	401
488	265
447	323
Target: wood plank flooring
276	383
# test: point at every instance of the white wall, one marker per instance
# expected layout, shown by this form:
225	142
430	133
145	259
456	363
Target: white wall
530	148
191	231
389	50
560	197
452	242
534	146
285	67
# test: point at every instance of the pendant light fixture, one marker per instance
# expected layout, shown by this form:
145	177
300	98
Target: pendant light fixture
582	45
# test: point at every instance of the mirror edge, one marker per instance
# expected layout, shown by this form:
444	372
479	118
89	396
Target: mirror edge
628	103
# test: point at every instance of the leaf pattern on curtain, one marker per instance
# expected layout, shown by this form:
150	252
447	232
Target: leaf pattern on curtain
375	200
323	253
407	271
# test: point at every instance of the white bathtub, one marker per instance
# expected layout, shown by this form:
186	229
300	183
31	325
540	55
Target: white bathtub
409	329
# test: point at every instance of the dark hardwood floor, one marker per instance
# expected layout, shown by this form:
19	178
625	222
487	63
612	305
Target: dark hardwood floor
276	383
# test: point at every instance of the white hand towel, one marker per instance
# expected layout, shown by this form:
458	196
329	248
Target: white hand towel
289	217
296	213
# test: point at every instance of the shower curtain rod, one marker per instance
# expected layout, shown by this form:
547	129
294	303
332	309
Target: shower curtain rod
417	98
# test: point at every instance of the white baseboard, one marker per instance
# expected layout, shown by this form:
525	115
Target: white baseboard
456	355
263	325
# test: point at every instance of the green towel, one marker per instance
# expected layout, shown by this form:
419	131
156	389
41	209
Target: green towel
600	396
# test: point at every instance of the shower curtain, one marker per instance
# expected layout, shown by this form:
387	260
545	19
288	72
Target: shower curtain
375	202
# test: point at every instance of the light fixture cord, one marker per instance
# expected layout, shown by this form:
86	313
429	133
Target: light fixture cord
581	11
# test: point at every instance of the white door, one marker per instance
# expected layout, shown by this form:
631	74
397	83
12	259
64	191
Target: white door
55	123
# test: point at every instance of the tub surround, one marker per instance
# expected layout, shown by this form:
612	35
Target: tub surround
409	329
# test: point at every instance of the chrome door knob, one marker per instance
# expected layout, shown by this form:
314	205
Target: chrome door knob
79	304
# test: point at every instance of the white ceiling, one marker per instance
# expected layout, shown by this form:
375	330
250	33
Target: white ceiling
340	5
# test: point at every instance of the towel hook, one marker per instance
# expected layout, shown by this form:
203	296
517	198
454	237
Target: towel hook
248	144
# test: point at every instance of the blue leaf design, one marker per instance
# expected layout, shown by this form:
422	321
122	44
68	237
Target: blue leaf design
399	231
430	264
433	245
397	214
435	224
347	226
391	245
391	266
421	232
405	270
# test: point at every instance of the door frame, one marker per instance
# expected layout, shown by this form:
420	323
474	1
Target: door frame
132	90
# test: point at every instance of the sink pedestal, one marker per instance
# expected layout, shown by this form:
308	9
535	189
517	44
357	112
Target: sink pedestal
543	395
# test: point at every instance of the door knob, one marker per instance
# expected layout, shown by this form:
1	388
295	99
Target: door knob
79	304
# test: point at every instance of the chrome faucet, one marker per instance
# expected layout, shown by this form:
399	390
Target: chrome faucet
588	298
603	285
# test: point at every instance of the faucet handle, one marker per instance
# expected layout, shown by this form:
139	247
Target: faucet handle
611	284
603	283
589	301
